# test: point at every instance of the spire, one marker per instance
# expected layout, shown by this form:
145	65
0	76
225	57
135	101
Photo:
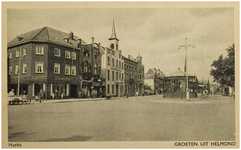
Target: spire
113	34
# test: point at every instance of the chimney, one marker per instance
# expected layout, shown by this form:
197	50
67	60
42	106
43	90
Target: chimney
99	46
92	40
129	57
71	35
79	43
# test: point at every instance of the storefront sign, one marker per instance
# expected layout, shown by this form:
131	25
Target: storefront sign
62	78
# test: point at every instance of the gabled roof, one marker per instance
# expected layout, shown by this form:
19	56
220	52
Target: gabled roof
46	34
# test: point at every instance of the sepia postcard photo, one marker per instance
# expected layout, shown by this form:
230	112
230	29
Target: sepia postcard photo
120	75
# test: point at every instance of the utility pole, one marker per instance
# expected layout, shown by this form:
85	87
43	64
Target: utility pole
185	67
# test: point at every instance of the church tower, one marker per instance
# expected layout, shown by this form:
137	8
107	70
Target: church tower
113	40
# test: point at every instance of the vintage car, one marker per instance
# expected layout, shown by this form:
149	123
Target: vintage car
16	100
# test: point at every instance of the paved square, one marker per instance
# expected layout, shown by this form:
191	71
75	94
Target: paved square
149	118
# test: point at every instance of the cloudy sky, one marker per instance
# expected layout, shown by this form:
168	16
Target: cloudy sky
155	33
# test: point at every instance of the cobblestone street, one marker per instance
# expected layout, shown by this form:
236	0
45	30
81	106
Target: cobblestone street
149	118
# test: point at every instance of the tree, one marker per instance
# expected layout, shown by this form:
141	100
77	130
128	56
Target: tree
223	68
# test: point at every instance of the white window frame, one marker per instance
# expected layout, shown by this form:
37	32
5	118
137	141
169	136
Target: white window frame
16	69
39	50
67	67
67	54
56	65
73	55
39	64
24	51
73	68
10	55
57	52
24	68
10	70
17	53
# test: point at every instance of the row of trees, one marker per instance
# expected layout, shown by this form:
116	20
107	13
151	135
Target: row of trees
223	69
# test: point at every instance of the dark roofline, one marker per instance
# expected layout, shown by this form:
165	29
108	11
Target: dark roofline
37	41
129	59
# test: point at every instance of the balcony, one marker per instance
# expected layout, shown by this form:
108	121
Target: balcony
87	76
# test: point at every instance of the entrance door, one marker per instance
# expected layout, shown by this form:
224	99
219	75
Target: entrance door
73	90
117	90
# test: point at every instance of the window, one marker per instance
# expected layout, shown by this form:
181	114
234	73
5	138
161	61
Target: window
10	70
108	60
108	51
24	51
57	52
116	63
99	70
17	53
86	53
73	55
113	89
96	55
113	62
56	68
113	75
10	55
108	89
96	68
24	68
67	54
39	50
73	70
122	66
39	67
113	52
108	75
116	46
16	69
86	67
122	76
119	65
112	46
117	75
67	69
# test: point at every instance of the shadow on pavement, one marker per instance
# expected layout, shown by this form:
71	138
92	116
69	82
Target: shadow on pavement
73	138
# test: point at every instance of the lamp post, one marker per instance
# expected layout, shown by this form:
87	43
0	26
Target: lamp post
19	70
185	67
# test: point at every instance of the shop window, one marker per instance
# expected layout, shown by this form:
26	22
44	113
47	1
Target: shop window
57	52
113	75
108	89
67	69
10	70
24	68
73	55
67	54
56	68
39	67
73	70
39	50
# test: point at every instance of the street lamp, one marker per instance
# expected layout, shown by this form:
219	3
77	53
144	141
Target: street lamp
185	67
19	70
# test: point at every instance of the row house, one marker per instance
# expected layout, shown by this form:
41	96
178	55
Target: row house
134	75
113	68
53	61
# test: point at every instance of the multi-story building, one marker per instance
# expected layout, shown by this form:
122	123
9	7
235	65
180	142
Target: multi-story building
134	75
53	61
113	68
90	70
154	79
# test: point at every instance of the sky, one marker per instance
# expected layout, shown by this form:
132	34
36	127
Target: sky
155	33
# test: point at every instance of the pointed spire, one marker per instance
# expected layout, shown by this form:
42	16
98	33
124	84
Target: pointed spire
113	34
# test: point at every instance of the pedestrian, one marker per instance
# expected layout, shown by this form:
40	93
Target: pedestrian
11	93
41	95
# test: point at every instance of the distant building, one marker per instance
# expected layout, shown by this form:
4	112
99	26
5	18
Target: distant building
175	84
154	78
